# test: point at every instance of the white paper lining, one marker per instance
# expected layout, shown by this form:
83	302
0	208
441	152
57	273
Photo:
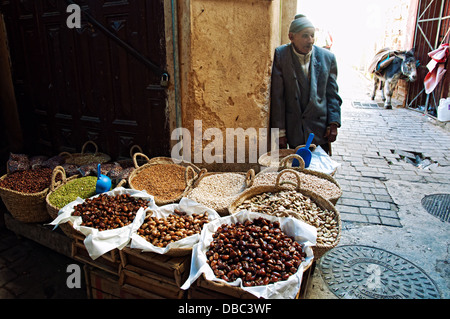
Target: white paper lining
98	242
286	289
185	205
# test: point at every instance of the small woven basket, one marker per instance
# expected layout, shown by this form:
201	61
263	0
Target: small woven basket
52	209
25	207
191	169
301	168
321	202
221	204
83	158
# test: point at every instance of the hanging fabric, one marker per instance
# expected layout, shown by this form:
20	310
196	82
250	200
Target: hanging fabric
436	67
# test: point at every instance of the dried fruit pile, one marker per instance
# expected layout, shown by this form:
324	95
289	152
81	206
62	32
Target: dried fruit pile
295	204
109	212
258	252
162	231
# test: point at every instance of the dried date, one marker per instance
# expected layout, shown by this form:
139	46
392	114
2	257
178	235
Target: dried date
258	252
109	212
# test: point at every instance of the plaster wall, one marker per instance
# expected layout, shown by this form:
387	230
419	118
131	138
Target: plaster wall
226	65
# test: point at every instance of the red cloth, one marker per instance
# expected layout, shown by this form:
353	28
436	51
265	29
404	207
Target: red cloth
436	67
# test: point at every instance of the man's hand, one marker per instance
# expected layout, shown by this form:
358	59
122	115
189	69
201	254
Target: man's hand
331	132
282	142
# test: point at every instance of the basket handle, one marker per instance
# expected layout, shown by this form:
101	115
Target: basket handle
139	154
133	147
65	154
57	170
284	160
199	176
250	177
186	175
122	182
89	142
278	184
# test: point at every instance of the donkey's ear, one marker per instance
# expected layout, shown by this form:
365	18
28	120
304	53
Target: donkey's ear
412	51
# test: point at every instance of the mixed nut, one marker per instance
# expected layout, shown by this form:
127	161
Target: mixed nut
257	251
295	204
109	212
162	231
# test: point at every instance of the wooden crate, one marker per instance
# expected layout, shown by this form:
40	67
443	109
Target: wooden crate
207	289
174	269
104	285
109	262
149	284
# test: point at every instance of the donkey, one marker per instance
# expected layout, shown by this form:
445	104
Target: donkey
402	66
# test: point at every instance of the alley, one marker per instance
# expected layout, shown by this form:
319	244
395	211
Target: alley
381	203
380	206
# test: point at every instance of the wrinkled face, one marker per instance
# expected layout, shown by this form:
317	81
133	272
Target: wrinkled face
303	41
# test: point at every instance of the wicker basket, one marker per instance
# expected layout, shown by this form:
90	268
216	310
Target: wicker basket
52	209
301	168
83	158
272	159
323	203
25	207
129	162
222	207
191	169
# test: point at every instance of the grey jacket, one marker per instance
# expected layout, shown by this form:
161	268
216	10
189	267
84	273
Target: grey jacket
322	107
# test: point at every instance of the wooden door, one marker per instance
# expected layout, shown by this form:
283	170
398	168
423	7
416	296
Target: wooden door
432	29
74	85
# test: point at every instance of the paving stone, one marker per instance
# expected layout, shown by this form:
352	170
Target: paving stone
347	209
354	202
354	218
390	221
382	205
373	219
368	211
383	198
5	294
387	213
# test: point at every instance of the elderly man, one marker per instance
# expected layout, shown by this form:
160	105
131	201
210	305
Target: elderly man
304	92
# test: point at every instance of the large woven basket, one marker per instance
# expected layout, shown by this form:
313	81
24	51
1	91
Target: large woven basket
84	158
222	207
25	207
284	164
52	209
321	202
191	169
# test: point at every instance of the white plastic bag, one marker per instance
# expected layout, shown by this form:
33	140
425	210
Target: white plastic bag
322	162
302	233
98	242
185	205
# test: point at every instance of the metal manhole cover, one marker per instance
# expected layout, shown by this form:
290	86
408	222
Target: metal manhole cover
438	205
363	272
